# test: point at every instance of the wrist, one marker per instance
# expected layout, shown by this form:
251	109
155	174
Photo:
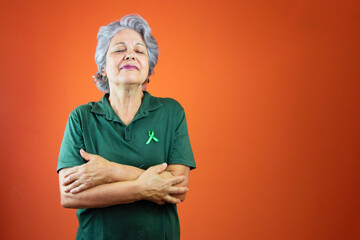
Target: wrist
115	172
140	189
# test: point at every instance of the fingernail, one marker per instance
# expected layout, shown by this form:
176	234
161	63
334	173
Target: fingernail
164	164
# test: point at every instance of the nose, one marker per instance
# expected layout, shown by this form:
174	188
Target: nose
129	55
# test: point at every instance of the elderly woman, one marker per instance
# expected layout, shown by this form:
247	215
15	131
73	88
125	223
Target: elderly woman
125	160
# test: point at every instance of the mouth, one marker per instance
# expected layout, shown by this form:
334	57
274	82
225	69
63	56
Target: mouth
129	67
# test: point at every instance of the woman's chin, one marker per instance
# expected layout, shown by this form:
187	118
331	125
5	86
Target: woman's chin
127	82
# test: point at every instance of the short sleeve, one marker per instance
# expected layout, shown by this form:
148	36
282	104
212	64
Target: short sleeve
72	142
181	151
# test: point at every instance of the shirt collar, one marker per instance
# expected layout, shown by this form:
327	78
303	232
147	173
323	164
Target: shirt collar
148	104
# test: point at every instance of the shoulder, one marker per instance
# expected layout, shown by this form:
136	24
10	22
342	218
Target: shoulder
82	110
171	104
172	108
163	103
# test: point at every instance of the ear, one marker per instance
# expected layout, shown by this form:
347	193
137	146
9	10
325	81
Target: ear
103	71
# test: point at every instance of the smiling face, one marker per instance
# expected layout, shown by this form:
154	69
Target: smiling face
127	60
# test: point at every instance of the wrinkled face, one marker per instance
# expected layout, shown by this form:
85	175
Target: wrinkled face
127	60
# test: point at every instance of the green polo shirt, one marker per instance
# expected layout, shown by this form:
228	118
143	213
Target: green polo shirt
97	129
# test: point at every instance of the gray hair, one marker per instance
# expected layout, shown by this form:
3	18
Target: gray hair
106	33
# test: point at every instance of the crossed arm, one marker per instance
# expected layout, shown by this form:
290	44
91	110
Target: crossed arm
101	183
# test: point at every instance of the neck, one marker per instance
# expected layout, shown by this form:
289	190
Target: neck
126	101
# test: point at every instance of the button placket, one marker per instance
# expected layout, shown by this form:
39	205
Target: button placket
127	133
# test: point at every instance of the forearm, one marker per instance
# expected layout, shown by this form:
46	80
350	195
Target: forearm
126	173
176	170
103	195
103	170
148	186
99	171
121	172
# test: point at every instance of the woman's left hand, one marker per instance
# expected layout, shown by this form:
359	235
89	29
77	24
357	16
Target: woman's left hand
95	172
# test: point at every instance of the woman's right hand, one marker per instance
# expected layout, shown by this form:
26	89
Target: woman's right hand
96	171
158	189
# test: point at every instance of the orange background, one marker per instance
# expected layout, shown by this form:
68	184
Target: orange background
271	92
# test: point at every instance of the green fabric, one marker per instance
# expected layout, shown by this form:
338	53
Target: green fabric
97	129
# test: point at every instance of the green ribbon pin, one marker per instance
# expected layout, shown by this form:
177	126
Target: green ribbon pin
151	136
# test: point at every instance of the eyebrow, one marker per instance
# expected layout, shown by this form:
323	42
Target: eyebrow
123	43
